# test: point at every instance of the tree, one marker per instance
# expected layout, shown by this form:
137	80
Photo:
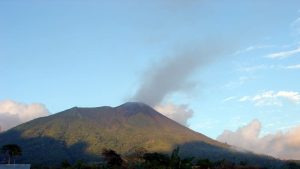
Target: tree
112	158
243	163
156	160
224	164
292	165
204	163
176	162
134	157
65	164
187	163
11	150
80	164
162	161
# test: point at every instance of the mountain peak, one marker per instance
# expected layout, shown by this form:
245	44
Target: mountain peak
134	104
131	108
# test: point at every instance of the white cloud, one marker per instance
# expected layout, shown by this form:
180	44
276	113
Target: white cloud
245	98
229	99
290	95
293	66
296	25
239	82
271	98
13	113
284	54
284	145
268	98
178	113
8	121
251	48
249	132
253	68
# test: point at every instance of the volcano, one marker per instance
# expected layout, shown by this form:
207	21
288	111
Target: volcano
82	134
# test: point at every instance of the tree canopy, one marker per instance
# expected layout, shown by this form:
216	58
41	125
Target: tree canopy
11	151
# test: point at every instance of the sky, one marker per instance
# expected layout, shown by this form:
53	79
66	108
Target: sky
227	69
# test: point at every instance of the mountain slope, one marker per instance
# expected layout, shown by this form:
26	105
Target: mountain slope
82	133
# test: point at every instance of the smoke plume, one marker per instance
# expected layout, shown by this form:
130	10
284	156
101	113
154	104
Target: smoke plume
172	74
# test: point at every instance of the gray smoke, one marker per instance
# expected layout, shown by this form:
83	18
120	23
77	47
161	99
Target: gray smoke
171	73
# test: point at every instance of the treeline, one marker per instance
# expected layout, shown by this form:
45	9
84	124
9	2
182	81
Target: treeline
139	158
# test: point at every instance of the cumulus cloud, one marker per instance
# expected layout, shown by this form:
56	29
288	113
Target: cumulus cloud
14	113
248	133
284	145
180	113
284	54
8	121
172	74
271	98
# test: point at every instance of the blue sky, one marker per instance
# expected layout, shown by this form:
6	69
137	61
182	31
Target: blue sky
93	53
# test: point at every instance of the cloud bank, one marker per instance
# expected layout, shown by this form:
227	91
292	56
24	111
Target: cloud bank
284	145
13	113
172	74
